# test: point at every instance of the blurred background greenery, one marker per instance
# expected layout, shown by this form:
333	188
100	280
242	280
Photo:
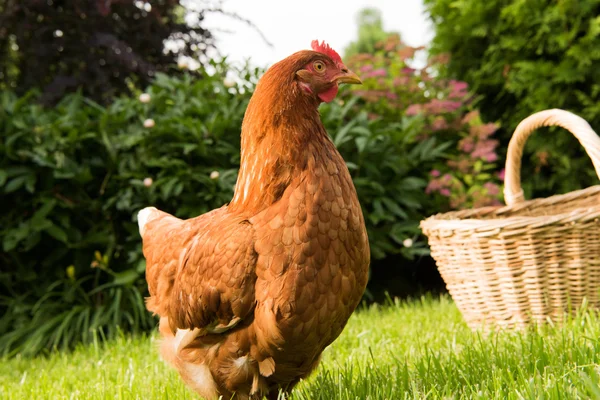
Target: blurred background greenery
98	121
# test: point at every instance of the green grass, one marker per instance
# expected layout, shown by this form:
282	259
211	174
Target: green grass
406	350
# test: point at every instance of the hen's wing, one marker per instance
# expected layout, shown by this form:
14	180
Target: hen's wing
201	271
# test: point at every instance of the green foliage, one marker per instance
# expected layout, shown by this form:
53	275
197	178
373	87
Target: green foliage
73	178
420	349
522	56
434	133
96	47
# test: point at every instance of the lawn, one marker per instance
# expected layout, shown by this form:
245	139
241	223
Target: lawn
406	350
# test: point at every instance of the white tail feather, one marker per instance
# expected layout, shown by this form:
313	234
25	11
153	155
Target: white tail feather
143	218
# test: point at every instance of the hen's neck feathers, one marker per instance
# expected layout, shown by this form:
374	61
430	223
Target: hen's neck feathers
282	129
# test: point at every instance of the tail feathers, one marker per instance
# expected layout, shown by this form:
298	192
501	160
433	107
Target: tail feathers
144	216
161	237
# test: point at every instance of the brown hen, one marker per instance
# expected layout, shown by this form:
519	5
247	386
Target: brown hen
251	293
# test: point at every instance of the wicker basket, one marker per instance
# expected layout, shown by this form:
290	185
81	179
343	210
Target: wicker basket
529	261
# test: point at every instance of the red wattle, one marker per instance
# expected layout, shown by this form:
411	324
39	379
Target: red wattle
329	94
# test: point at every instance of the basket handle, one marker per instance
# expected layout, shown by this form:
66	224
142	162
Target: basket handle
513	193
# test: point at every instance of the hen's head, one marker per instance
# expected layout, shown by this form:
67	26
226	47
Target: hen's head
323	71
316	74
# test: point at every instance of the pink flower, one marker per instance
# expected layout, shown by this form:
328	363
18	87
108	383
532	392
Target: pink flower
413	88
484	149
366	68
371	95
491	157
437	106
401	81
433	186
406	52
363	57
435	173
414	109
483	131
462	165
491	188
408	71
456	202
438	124
440	59
458	89
501	174
466	145
458	85
445	192
376	73
472	115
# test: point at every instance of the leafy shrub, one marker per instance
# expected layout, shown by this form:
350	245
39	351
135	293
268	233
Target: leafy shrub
525	56
450	151
97	47
73	178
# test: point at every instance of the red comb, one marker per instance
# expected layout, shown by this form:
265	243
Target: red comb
325	49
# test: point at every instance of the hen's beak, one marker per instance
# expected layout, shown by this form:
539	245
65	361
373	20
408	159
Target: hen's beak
347	76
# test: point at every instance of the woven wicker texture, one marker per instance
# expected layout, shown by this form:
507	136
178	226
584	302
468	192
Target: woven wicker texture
529	261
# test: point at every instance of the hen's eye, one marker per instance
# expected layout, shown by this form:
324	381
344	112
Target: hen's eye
319	66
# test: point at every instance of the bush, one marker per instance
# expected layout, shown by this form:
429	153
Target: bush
522	57
73	178
98	47
448	147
